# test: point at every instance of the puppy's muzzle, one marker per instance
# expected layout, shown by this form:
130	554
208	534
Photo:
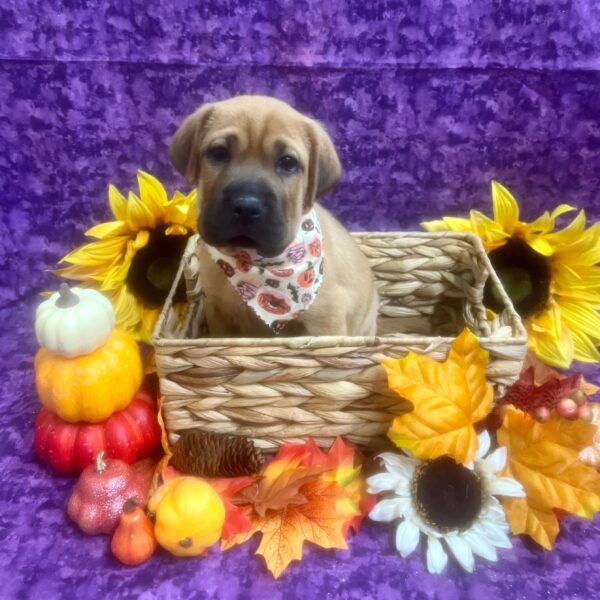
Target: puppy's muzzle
246	213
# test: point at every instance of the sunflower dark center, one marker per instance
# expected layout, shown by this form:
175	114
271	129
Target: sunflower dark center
525	275
447	494
153	268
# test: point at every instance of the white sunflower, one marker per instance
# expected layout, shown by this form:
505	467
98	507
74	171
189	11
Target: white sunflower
446	501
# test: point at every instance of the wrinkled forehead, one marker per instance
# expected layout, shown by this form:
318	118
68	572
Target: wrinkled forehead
259	130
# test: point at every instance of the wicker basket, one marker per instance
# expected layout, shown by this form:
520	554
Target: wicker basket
286	389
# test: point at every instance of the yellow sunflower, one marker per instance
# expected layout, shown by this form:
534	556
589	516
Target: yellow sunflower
136	256
552	277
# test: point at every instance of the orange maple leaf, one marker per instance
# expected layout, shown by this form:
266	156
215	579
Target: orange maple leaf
280	481
544	458
340	460
448	398
284	532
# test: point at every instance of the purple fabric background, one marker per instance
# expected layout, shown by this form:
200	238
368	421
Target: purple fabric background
426	102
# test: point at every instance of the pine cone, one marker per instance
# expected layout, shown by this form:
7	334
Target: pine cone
205	454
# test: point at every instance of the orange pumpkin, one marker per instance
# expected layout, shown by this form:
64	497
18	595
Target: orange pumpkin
93	386
133	541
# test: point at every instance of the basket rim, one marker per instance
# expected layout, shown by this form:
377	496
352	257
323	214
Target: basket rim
518	337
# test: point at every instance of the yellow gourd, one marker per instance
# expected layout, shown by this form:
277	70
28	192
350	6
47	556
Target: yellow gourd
93	386
189	516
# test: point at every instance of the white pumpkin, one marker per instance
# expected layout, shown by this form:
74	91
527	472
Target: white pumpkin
74	321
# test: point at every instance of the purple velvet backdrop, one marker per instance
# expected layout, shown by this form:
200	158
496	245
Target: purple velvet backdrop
426	102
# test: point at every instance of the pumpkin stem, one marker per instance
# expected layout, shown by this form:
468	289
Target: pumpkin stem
130	505
99	463
66	298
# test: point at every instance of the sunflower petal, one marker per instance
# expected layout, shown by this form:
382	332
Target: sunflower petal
571	232
586	350
80	273
116	276
506	209
141	239
491	233
126	310
447	224
118	204
148	321
548	321
581	317
139	216
109	229
152	194
176	230
97	253
540	244
555	352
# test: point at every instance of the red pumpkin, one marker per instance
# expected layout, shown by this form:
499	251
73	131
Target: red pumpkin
101	492
130	434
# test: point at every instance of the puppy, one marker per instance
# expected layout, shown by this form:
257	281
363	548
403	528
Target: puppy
272	260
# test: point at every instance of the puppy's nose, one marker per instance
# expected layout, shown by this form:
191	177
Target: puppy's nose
247	199
247	208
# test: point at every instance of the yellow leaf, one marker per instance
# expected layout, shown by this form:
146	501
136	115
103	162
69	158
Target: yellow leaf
448	398
284	532
540	524
544	458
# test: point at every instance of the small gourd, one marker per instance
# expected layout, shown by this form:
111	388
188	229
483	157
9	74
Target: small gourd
101	492
189	516
74	321
133	541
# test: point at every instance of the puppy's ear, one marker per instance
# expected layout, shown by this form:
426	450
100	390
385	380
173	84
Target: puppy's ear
184	151
324	169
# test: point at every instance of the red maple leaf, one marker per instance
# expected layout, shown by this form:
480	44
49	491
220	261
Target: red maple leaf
527	396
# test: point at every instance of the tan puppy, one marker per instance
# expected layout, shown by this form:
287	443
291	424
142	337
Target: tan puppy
259	166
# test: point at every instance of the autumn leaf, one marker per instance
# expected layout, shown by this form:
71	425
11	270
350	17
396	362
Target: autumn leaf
527	396
280	481
340	461
543	373
525	517
237	518
448	398
284	532
544	458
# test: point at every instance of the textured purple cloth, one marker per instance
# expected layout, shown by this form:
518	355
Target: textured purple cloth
426	103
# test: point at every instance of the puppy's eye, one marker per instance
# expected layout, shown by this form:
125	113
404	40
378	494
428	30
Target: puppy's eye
218	154
287	164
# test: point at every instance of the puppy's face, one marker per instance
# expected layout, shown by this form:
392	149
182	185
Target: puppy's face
259	166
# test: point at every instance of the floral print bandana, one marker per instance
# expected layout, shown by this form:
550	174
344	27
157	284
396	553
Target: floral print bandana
278	289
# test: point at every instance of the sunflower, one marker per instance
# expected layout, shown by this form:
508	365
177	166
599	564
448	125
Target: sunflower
447	502
135	258
552	277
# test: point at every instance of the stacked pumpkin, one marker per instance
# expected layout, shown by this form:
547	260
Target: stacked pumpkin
96	420
88	377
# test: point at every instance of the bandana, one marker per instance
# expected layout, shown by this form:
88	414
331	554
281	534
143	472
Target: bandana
279	288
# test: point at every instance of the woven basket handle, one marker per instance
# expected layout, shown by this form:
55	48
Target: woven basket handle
191	271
